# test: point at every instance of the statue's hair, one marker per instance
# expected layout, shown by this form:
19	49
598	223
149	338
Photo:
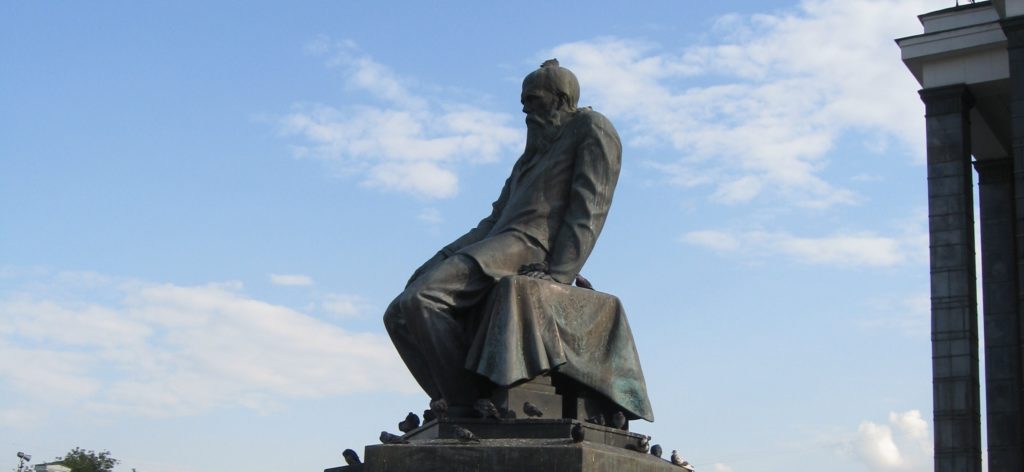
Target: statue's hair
555	79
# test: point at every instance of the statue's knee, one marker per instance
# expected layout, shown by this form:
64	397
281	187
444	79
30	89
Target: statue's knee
405	304
407	300
393	315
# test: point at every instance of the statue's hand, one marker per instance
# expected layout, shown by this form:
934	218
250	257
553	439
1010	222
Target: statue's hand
538	270
440	256
538	274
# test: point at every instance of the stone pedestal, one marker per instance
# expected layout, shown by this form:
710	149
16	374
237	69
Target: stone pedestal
520	445
539	391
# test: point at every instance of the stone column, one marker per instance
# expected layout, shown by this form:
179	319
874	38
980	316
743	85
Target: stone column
1014	30
1002	325
955	366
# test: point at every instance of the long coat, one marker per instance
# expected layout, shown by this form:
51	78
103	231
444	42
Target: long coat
558	199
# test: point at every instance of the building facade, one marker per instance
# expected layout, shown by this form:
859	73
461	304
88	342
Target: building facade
969	61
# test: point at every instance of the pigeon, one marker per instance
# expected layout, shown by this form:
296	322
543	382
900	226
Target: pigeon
619	420
440	408
486	409
351	458
582	282
464	435
677	460
645	445
597	419
531	410
642	447
428	415
577	433
388	438
507	413
656	450
410	423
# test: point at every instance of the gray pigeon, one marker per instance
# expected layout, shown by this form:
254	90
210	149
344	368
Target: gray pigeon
619	420
678	460
388	438
486	409
645	445
428	415
351	458
531	410
656	450
596	419
464	435
440	408
410	423
642	447
577	433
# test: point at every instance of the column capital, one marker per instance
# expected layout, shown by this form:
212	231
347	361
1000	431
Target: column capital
1013	28
994	171
947	99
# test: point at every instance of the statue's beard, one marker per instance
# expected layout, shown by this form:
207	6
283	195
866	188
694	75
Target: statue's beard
542	130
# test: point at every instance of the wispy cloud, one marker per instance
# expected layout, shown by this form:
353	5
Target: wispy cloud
291	280
907	314
157	349
430	216
345	305
398	140
785	88
863	249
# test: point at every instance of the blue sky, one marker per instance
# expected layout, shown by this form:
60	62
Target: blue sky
206	209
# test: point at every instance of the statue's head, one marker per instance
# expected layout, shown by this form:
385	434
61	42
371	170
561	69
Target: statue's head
554	81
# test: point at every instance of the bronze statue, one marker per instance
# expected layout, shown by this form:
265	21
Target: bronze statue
543	226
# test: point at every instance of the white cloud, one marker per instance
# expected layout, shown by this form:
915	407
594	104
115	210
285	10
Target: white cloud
345	305
910	423
741	190
903	444
716	240
862	249
908	314
14	417
421	178
165	349
404	142
430	216
291	280
785	87
875	446
719	467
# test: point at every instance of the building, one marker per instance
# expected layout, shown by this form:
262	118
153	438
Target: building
970	64
51	467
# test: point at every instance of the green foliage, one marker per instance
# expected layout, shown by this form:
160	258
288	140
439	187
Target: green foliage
80	460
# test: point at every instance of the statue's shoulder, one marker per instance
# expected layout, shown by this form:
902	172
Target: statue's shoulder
590	121
587	118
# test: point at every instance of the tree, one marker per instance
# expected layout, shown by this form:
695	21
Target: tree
80	460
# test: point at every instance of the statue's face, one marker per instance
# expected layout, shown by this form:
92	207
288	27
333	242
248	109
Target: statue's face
537	101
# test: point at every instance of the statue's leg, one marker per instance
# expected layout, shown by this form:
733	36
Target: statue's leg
433	340
407	348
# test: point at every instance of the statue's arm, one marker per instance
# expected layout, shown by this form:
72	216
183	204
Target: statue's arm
474	235
482	228
595	173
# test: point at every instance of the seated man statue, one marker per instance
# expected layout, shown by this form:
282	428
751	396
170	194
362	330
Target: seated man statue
543	226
